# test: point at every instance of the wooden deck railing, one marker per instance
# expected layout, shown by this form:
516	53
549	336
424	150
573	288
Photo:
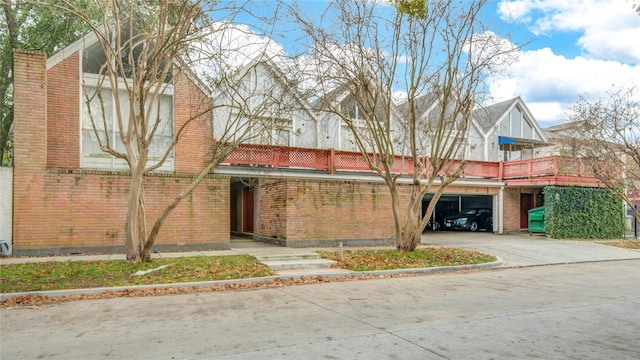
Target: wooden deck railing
333	161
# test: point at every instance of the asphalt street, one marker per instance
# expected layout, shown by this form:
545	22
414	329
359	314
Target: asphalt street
583	310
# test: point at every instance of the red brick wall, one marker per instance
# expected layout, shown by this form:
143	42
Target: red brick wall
512	206
307	210
191	105
63	114
511	209
88	209
30	139
270	211
68	208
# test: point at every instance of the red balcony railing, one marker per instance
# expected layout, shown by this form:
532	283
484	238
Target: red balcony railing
336	161
547	166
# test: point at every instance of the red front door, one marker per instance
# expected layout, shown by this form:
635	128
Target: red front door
247	210
526	203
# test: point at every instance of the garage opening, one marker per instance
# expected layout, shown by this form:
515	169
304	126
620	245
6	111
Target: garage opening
478	210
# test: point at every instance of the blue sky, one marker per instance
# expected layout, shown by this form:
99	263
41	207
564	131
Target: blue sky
573	48
578	48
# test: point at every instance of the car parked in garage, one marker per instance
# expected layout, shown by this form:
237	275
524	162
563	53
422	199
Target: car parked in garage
472	219
437	222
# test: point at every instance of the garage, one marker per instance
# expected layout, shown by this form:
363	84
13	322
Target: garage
451	204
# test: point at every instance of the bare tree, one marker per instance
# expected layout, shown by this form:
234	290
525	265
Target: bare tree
432	53
608	133
142	49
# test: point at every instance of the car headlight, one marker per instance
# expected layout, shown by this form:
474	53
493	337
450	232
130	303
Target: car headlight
462	221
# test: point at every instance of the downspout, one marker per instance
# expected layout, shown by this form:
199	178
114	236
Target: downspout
501	211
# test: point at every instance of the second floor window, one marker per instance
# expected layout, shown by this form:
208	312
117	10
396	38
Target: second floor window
101	113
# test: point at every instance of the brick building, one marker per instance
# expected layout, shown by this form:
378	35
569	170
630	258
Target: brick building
70	198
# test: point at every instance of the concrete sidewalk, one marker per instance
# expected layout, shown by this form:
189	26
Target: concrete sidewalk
518	250
515	250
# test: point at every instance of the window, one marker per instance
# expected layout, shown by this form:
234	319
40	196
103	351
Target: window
354	112
275	132
282	137
93	57
347	140
106	128
527	129
516	122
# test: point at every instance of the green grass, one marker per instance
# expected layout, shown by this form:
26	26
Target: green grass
54	275
368	260
627	244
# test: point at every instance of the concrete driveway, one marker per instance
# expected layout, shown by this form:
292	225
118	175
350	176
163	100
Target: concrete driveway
524	250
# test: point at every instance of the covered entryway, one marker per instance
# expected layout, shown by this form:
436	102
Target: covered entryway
526	204
242	206
247	209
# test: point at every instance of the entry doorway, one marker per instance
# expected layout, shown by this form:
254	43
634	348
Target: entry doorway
247	209
233	210
526	204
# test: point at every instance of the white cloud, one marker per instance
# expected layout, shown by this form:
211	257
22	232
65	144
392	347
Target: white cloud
548	82
609	28
223	48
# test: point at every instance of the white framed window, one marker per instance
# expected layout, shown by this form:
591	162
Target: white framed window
101	113
347	140
518	125
276	132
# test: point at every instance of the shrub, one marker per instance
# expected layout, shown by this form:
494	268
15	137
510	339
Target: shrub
584	213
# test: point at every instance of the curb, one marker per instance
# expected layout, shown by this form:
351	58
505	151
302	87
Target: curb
336	275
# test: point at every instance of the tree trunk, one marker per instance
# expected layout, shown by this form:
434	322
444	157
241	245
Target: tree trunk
395	208
410	238
133	207
415	224
142	227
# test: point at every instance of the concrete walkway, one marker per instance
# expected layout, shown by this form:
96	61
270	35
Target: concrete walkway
515	249
518	250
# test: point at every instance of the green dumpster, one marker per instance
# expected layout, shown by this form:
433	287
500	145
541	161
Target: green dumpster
536	220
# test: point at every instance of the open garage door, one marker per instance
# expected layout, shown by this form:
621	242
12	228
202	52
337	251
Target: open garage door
450	204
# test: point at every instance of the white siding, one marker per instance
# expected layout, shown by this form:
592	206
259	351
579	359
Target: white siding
267	99
6	207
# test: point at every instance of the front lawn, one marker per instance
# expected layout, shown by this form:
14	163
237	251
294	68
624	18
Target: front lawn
55	275
388	259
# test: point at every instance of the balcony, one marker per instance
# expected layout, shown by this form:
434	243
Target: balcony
552	170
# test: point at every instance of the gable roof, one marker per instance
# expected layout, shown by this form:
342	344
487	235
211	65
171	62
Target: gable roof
233	42
424	103
91	38
279	75
339	93
489	116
